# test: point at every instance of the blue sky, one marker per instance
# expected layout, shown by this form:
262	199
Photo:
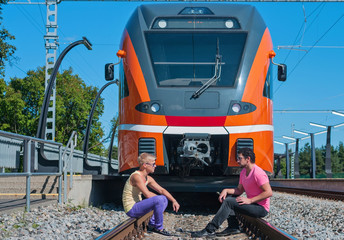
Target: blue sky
315	79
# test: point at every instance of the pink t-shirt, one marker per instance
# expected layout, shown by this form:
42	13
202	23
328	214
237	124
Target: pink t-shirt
256	178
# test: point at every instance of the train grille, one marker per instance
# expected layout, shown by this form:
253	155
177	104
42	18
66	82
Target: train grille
147	145
244	143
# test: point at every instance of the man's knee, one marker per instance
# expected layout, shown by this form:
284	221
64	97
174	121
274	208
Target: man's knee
230	201
161	200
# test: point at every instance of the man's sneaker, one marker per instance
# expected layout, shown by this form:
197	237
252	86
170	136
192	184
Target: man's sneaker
151	229
203	233
228	231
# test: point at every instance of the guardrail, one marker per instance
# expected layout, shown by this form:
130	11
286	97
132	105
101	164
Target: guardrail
258	228
67	161
11	150
132	228
12	146
27	143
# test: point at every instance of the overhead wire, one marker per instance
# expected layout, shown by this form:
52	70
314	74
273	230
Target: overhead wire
316	42
303	26
30	19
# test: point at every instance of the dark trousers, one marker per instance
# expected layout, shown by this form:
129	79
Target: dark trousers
227	211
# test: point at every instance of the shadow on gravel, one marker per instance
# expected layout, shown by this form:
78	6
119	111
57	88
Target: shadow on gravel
196	203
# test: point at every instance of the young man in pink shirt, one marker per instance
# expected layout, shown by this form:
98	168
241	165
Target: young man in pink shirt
254	181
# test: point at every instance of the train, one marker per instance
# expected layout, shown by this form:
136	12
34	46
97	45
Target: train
195	85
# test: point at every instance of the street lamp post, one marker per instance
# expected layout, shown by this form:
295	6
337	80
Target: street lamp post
44	112
88	169
44	164
286	157
313	160
328	163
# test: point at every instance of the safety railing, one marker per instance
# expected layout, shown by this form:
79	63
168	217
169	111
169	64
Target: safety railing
67	161
28	158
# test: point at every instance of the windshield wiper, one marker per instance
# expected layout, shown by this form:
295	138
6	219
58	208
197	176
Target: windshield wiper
216	76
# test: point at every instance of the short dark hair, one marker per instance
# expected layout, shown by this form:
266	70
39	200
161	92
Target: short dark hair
248	152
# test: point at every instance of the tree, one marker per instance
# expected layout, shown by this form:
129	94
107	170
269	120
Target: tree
6	49
22	99
320	156
74	101
32	90
11	105
305	160
338	160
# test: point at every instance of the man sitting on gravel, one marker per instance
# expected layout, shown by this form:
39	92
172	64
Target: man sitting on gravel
137	184
254	181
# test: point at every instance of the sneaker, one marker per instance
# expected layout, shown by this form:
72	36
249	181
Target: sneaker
228	231
203	233
152	229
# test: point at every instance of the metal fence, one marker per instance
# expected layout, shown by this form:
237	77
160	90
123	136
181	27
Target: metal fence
13	146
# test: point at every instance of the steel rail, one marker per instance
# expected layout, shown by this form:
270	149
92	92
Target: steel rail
130	228
323	188
312	192
257	228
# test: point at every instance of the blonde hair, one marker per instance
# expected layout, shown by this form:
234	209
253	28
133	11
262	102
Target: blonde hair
145	157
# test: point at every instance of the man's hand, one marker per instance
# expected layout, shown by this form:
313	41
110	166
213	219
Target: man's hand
175	206
243	200
223	195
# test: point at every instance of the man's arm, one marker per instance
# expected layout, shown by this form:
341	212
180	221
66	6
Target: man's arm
154	185
139	182
231	191
266	193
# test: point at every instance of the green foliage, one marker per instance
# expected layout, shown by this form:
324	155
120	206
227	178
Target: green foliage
6	50
35	225
22	99
74	101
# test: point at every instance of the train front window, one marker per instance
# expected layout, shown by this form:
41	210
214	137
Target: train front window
189	59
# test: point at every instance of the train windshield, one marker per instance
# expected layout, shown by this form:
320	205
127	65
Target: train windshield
189	59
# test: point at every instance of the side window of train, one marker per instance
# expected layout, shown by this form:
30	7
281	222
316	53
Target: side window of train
123	84
267	92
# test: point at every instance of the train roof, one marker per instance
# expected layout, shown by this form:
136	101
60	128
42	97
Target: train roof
247	15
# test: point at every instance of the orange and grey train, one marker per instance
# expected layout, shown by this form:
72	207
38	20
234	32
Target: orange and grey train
195	86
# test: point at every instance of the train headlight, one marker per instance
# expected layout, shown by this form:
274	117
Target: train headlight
162	23
155	107
229	24
236	107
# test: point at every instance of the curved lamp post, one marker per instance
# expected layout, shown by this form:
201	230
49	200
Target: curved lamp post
44	112
87	167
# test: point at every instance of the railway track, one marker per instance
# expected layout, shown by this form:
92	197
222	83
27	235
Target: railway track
253	227
132	228
322	188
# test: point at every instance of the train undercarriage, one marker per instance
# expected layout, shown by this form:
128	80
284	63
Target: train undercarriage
196	154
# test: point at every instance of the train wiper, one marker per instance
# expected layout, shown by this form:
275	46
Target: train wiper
216	76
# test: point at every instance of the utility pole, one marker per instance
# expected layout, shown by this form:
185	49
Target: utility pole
51	45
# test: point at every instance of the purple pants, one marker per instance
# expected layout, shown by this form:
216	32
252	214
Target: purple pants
157	203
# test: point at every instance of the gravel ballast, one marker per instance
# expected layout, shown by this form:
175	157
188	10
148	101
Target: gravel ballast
301	216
